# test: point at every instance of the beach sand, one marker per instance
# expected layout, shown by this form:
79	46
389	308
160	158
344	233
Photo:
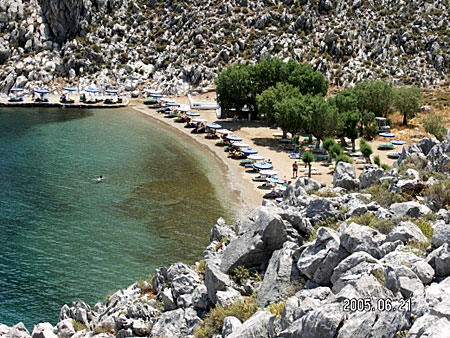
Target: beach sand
258	135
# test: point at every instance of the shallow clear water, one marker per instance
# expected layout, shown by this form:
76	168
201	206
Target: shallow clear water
63	236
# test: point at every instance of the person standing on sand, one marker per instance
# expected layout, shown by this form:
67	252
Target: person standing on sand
294	169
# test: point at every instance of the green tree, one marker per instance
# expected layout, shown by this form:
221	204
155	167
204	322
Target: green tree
308	158
328	143
408	102
343	158
267	73
375	96
289	114
322	116
377	160
434	125
267	99
335	151
306	79
369	126
366	150
351	120
234	87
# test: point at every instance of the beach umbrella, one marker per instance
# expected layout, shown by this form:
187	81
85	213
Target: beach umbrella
156	95
184	108
92	90
224	131
279	199
398	142
386	134
255	157
199	120
268	172
234	138
192	114
213	126
42	91
240	145
16	89
70	89
356	154
263	165
172	104
275	180
111	91
249	151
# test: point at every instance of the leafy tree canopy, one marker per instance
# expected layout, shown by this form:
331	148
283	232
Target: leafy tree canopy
408	101
375	96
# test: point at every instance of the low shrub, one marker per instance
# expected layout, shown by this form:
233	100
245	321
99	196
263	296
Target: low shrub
78	326
425	227
343	158
146	285
212	324
276	308
382	195
438	194
201	267
240	274
382	225
417	248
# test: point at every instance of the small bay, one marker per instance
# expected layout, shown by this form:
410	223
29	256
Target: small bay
65	237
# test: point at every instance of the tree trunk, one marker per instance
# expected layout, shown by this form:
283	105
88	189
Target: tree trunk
309	170
343	143
284	134
353	146
368	160
405	119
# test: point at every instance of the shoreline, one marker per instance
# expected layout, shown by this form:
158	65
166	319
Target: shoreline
241	195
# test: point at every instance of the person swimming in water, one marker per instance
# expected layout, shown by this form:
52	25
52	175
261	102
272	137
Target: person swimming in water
100	179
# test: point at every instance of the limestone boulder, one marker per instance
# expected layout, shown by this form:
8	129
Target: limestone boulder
43	330
261	324
230	325
320	257
369	176
441	234
220	230
355	237
170	324
17	331
344	176
321	322
408	209
266	233
215	280
227	297
307	299
405	232
439	259
429	326
280	274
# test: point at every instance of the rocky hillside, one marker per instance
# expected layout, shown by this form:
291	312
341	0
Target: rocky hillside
178	45
369	257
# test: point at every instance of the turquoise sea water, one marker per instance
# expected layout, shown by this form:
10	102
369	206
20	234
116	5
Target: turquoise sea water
63	236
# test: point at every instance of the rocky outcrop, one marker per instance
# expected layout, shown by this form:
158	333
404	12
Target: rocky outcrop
133	44
285	271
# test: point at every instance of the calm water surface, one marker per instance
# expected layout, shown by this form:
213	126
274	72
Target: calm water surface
63	236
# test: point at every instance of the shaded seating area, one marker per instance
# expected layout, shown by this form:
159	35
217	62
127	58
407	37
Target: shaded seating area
14	95
41	97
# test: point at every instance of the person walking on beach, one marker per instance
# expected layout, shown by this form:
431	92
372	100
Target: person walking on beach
294	169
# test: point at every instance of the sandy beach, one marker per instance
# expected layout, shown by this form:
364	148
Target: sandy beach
258	135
